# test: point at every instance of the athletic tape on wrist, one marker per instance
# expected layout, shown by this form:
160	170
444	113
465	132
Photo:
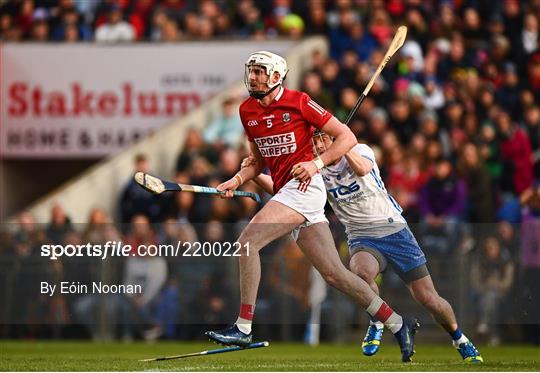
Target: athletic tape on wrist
239	179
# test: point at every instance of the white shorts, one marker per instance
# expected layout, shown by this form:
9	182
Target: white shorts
306	198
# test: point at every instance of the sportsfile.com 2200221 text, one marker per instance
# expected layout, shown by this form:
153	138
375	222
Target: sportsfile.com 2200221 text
120	249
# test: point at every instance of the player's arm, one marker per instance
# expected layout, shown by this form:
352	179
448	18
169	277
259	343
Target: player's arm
262	180
254	169
245	174
265	182
361	164
344	140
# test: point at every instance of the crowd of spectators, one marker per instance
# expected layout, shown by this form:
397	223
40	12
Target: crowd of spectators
454	122
158	20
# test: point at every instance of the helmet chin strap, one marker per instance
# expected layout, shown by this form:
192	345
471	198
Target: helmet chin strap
259	95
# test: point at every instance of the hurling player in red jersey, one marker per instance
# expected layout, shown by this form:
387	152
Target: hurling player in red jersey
279	123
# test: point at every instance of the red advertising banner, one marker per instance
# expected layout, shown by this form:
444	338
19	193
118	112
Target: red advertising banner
88	101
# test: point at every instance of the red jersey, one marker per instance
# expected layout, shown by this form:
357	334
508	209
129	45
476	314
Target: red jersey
282	131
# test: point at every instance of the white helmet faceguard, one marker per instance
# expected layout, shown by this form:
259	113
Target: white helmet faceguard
272	63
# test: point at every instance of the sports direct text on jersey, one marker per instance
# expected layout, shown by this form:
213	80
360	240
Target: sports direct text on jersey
273	146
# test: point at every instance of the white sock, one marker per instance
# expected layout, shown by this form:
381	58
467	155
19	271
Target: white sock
378	324
389	318
244	325
394	323
463	339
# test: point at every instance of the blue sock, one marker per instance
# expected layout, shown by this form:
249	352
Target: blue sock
456	334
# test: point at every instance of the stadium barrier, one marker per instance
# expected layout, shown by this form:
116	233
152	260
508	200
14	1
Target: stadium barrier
189	284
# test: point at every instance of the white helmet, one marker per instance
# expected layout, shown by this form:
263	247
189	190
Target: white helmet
272	63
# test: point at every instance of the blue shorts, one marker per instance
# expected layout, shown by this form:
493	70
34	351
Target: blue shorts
399	249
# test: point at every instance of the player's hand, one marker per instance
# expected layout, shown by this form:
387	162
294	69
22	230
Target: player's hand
303	171
248	161
228	187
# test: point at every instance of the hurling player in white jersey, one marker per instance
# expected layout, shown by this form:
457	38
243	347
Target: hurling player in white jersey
378	235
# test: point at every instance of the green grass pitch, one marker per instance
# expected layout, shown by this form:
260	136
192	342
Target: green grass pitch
88	356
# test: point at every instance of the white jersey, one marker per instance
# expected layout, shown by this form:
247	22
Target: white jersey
362	203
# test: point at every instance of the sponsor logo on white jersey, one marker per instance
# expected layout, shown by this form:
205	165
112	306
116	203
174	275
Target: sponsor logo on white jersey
276	145
344	190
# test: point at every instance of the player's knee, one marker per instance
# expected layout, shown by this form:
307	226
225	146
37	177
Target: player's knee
365	273
248	242
430	300
244	250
